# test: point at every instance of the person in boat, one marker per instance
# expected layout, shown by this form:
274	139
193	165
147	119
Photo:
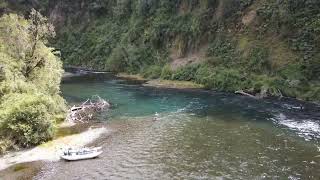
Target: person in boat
68	152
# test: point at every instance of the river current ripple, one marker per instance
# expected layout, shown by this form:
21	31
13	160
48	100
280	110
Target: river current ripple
198	135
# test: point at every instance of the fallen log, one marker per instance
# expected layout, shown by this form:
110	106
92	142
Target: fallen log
247	94
87	111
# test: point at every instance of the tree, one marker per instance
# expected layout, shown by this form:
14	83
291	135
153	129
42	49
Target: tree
40	30
30	76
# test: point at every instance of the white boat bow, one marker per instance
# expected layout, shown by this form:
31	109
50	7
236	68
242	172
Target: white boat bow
81	154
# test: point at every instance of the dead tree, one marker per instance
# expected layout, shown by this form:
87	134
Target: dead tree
87	111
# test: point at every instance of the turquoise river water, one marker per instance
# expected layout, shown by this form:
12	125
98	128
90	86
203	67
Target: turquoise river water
198	135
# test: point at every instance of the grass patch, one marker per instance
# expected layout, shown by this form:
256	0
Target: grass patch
174	84
131	76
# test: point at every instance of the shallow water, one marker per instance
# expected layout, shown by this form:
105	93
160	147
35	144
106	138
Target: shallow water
198	135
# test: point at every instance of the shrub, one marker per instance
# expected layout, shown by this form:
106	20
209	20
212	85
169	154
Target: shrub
203	72
258	61
227	80
312	93
166	72
186	73
28	121
5	144
152	72
222	52
274	86
116	62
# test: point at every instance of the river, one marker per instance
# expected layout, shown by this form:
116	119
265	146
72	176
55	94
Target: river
198	135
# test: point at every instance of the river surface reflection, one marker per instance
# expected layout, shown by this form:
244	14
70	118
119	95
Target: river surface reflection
198	135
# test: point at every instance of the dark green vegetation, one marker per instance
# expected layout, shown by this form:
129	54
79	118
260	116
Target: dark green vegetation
269	47
30	76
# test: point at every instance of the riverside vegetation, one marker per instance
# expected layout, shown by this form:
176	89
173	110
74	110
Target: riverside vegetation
269	47
30	75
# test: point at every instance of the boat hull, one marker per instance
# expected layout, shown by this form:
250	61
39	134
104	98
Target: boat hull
81	157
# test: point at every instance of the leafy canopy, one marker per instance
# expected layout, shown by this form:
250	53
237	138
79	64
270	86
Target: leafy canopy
30	75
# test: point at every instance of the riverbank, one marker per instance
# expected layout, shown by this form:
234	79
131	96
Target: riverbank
189	85
160	83
196	134
51	150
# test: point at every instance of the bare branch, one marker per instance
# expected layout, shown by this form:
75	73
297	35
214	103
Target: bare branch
87	110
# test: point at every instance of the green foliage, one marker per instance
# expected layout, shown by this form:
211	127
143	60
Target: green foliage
166	72
312	68
186	73
116	62
223	79
222	52
27	121
39	31
29	84
152	72
4	145
312	93
258	61
138	36
270	85
296	19
292	72
202	74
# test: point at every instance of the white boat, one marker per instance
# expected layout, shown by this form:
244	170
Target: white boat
81	154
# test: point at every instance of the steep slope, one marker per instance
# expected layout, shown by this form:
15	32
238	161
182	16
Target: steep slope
261	46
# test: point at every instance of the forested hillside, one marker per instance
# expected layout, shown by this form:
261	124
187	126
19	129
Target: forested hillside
269	47
30	75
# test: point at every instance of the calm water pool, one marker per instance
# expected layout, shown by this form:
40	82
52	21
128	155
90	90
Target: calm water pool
199	135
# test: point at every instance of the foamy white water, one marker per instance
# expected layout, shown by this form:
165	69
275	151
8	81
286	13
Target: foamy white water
308	129
196	135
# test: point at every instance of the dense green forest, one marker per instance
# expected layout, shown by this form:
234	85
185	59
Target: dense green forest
30	76
268	47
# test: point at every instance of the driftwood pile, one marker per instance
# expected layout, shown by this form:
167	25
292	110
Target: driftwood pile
87	111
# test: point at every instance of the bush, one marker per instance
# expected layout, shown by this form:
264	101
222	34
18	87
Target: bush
222	52
203	72
166	72
5	144
258	61
227	80
116	62
186	73
152	72
28	121
313	94
274	86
